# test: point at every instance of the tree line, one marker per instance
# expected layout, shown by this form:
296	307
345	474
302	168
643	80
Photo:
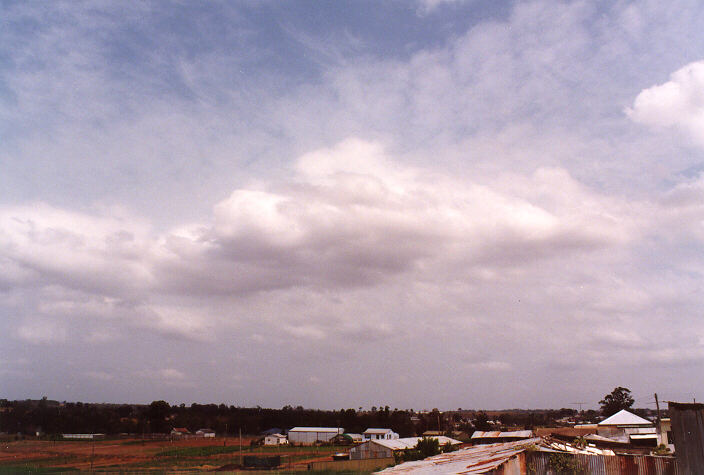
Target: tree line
53	417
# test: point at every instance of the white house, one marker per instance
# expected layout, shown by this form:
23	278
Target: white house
275	439
379	434
311	435
207	433
625	426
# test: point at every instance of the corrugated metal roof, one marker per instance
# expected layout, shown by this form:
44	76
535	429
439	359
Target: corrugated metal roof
336	430
411	442
494	434
377	431
624	418
477	459
564	447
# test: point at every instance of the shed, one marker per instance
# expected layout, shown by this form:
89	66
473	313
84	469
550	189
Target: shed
382	448
688	434
311	435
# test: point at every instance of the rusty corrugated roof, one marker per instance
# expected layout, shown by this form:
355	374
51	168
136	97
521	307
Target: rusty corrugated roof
477	459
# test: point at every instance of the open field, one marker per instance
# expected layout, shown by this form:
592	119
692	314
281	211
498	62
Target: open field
134	455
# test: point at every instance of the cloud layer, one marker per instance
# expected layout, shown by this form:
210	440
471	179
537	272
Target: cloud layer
237	203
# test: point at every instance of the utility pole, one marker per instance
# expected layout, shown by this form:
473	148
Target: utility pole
578	404
657	429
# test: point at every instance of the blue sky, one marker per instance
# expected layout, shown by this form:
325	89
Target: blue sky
333	204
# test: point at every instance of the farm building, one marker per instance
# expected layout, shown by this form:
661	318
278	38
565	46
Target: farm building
381	448
275	439
311	435
376	434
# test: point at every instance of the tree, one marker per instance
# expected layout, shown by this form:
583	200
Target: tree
620	398
428	446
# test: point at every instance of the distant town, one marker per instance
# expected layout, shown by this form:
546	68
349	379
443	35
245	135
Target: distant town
378	438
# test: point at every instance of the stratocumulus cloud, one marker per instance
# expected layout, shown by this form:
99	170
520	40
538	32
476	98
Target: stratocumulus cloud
425	204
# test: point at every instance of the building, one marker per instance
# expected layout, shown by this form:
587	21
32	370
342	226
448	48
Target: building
535	456
493	437
313	435
625	426
206	433
346	439
178	432
83	436
688	433
275	439
376	434
384	448
665	434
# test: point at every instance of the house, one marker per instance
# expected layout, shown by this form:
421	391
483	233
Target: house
625	426
178	432
273	430
376	434
206	433
493	437
313	435
384	448
275	439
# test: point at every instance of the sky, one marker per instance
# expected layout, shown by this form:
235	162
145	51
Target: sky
420	204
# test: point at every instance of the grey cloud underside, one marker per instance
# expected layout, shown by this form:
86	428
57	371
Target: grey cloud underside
221	204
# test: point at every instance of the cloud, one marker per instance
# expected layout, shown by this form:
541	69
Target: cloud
185	187
428	6
678	103
38	332
350	215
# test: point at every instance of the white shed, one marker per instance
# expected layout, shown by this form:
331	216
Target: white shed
311	435
275	439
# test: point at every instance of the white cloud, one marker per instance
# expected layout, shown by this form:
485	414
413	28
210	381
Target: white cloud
678	103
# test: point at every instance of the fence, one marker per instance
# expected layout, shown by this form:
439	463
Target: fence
540	463
365	465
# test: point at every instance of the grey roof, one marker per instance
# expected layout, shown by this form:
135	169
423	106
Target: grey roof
411	442
377	431
335	430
